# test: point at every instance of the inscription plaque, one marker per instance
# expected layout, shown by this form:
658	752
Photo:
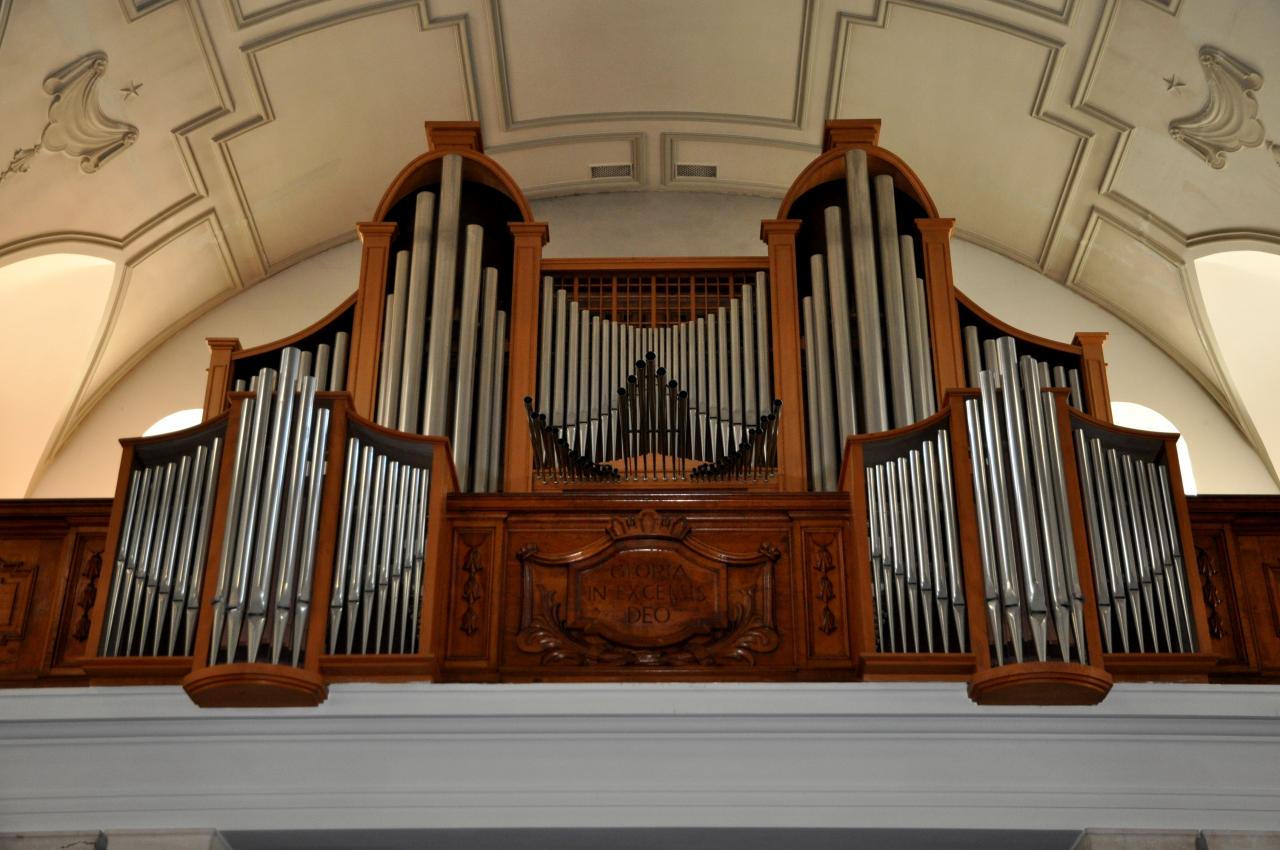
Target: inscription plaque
647	597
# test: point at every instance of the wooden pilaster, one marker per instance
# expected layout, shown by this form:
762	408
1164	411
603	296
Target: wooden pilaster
1097	395
522	351
944	319
366	332
788	382
219	379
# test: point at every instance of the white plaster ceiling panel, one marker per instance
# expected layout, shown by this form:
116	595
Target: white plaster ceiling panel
1145	288
582	60
1158	174
563	166
348	100
1149	74
1141	46
970	103
741	164
163	287
156	79
50	309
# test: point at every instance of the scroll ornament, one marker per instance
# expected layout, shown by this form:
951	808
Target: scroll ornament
77	124
1229	119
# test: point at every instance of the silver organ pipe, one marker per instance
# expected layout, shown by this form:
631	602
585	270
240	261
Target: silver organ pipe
154	597
272	520
885	321
437	368
1139	572
976	341
378	562
435	389
917	582
683	398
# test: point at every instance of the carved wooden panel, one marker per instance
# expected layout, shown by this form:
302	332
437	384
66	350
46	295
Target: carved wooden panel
647	593
1228	633
17	587
84	583
825	593
472	597
1259	554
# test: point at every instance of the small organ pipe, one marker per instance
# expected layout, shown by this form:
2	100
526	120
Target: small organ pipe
435	404
545	344
751	409
464	380
822	360
122	551
1023	497
763	385
982	509
895	312
394	350
972	355
343	558
561	368
415	342
843	396
1002	516
866	293
499	399
1094	527
485	398
917	338
338	376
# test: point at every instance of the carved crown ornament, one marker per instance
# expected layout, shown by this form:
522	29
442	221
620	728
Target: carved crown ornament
77	124
1228	121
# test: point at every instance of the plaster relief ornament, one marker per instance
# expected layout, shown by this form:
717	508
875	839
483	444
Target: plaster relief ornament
77	125
1229	119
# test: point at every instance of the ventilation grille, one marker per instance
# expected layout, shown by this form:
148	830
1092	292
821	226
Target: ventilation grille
686	169
603	172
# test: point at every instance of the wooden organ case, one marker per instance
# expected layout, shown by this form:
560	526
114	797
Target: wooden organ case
820	464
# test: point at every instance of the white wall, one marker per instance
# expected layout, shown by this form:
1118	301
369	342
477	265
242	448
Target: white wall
1137	370
648	224
173	376
655	224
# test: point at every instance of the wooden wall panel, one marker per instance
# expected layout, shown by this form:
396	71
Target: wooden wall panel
51	559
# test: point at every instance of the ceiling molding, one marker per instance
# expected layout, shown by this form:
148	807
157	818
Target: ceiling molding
85	400
667	164
266	112
6	6
1218	385
1060	13
510	122
878	18
243	20
1169	6
199	187
638	179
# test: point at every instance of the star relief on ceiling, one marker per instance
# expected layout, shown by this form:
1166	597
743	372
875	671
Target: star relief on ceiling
1229	119
77	124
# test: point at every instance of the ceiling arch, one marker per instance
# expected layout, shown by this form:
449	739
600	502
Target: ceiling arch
267	128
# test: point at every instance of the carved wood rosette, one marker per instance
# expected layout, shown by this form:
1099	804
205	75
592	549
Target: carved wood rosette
649	594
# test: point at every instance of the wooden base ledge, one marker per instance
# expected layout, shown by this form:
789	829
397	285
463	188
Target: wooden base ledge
256	686
1040	683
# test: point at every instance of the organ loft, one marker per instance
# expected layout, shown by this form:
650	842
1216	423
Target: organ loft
825	464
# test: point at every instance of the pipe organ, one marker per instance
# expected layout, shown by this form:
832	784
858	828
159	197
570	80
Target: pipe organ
654	379
824	462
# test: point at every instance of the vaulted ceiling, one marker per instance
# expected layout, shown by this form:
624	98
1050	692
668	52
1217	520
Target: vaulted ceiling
202	145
